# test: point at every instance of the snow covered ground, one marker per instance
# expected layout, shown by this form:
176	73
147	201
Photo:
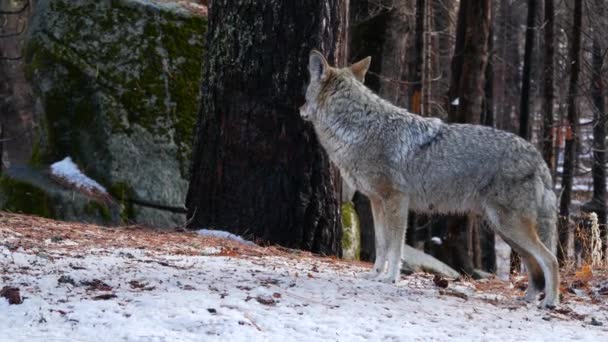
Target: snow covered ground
128	289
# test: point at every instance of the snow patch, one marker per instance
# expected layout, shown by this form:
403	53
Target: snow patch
67	170
223	235
436	240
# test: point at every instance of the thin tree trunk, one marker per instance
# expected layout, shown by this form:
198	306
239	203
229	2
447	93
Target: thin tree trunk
488	108
548	130
457	62
599	136
257	168
487	253
416	76
571	135
524	105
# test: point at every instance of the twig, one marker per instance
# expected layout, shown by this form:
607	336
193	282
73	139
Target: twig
252	321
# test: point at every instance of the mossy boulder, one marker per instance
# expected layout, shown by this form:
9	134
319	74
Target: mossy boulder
117	85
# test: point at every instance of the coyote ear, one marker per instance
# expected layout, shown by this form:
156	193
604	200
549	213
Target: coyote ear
317	65
360	68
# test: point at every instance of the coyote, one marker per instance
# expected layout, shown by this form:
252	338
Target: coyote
404	161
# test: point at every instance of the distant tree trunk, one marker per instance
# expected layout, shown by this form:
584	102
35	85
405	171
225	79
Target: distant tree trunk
524	105
1	146
599	137
571	136
444	28
415	78
467	87
488	105
508	64
457	62
474	59
548	129
487	254
257	168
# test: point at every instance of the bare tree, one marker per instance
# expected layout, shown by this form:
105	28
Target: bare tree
571	136
598	89
524	105
549	53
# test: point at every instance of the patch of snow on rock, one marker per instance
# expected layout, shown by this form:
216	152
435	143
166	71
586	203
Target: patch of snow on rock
67	170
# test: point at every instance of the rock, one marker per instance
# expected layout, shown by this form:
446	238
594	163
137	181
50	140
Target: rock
117	89
30	191
351	232
415	261
11	294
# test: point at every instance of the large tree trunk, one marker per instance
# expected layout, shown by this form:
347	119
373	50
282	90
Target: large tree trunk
257	168
548	129
524	105
571	136
599	135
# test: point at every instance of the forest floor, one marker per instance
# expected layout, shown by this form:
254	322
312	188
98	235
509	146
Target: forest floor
79	282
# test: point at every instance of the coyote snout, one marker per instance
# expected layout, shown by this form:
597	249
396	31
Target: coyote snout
403	161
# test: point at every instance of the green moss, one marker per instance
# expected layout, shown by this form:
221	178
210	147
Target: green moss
22	197
350	229
123	192
36	159
94	208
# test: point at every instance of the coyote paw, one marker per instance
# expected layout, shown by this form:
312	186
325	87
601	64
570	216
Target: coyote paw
389	279
549	305
530	296
370	275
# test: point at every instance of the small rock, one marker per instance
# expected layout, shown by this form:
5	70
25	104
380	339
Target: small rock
440	281
96	284
57	238
12	294
595	322
64	279
266	301
212	311
105	296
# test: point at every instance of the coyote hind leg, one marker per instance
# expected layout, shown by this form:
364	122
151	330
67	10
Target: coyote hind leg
521	234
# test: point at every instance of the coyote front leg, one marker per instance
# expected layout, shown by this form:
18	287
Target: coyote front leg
380	239
395	211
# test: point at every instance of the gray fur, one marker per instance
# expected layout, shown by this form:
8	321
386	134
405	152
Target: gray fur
401	160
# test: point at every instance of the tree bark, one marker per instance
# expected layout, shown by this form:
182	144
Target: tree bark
548	129
599	135
418	60
571	136
474	57
257	169
524	105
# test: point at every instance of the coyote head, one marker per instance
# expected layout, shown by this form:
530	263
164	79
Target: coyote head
322	77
